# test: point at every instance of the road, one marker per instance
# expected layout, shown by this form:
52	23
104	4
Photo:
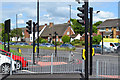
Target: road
108	63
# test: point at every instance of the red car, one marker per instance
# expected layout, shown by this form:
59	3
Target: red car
20	61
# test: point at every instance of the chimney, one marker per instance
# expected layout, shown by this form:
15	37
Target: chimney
50	24
46	24
68	22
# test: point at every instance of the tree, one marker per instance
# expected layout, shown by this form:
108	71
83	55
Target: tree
66	39
77	27
97	23
16	33
97	39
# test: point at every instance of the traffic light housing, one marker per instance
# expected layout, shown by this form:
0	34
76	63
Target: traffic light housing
29	26
112	34
7	26
81	15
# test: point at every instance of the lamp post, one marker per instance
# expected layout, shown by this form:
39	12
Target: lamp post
70	22
17	15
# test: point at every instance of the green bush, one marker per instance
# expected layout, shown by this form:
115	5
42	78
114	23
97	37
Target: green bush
97	39
59	43
43	41
66	39
40	40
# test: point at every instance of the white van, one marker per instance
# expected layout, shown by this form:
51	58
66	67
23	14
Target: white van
5	63
110	45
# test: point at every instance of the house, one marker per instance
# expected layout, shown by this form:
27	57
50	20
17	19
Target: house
41	29
61	29
75	36
25	37
109	27
83	36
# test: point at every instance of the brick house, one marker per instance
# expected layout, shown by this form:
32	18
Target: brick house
61	29
109	26
83	36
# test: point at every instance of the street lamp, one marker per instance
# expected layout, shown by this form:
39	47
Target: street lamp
70	22
17	15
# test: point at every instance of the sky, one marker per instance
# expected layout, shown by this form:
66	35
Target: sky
57	12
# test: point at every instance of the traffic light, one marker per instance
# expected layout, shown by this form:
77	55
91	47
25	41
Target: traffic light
7	26
29	26
81	15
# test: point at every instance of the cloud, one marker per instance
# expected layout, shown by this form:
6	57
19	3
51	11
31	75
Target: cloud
21	21
102	16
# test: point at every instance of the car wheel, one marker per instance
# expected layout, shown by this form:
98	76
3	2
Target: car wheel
5	68
18	65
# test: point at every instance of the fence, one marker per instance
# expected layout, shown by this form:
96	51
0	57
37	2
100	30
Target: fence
65	62
107	69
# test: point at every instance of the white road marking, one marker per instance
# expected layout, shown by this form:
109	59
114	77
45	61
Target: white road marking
28	71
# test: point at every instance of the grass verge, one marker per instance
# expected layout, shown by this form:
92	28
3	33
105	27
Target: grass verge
41	47
11	50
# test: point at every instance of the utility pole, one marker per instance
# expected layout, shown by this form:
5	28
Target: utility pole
38	28
91	20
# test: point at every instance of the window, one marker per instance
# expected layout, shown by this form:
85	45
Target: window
60	40
102	29
109	28
57	39
117	28
31	38
67	33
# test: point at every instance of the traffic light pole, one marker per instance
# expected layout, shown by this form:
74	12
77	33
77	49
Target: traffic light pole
102	42
55	45
4	41
86	40
91	19
38	28
34	42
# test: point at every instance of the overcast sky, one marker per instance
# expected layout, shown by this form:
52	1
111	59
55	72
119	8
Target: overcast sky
57	12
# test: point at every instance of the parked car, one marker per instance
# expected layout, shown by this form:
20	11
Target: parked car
118	49
5	63
67	45
47	45
20	61
98	49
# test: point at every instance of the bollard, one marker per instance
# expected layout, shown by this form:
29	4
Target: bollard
69	57
11	65
52	63
97	69
82	66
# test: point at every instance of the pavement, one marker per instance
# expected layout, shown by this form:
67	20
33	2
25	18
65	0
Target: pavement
46	77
